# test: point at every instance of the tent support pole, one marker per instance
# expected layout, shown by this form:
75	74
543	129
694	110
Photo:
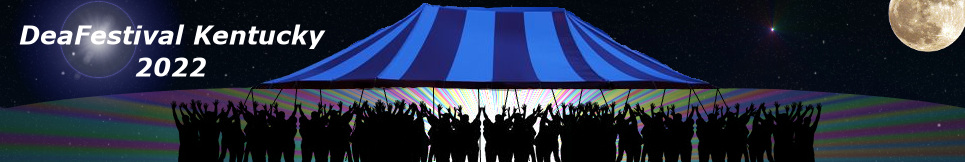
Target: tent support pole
688	101
479	142
580	101
360	96
276	96
319	97
517	98
434	99
604	97
250	91
554	98
296	95
663	96
627	100
722	98
715	101
698	100
478	100
386	95
506	99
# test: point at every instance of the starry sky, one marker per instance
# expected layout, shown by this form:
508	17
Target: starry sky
823	45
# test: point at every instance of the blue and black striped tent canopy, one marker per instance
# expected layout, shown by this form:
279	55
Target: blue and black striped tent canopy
500	48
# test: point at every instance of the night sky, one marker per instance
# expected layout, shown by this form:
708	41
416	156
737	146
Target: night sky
817	45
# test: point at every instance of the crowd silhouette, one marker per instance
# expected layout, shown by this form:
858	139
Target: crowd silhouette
583	132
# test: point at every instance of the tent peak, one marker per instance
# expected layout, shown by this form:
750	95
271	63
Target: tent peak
500	9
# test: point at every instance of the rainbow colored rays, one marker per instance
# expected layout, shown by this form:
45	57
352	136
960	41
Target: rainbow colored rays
139	126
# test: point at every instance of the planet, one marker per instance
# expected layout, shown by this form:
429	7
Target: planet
927	25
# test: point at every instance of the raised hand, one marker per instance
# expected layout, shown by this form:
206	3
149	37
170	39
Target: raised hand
254	105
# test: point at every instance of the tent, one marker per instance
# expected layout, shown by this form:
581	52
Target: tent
497	48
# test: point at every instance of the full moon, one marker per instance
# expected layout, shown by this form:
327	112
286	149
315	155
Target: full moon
927	25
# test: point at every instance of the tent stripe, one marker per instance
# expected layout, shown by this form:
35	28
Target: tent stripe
610	50
592	53
474	58
471	47
435	63
412	45
658	68
361	57
544	49
570	50
341	55
376	65
510	47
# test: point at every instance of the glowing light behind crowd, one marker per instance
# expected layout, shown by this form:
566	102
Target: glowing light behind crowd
139	126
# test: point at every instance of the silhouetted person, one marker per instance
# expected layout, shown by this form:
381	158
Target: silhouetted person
470	136
654	134
783	135
232	138
759	141
340	133
311	131
256	131
804	135
282	135
736	132
439	135
682	131
709	133
459	138
187	133
491	132
630	139
422	142
547	143
208	131
523	134
808	138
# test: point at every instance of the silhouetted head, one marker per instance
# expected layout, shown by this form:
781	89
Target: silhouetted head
280	114
316	114
678	117
782	116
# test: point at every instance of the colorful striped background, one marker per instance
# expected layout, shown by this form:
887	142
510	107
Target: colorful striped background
139	126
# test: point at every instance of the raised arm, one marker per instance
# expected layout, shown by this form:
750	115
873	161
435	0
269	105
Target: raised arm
693	112
667	116
479	112
429	116
195	113
254	106
652	112
177	122
814	125
769	115
298	108
622	114
483	110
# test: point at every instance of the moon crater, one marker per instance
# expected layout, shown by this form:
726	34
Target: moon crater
927	25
